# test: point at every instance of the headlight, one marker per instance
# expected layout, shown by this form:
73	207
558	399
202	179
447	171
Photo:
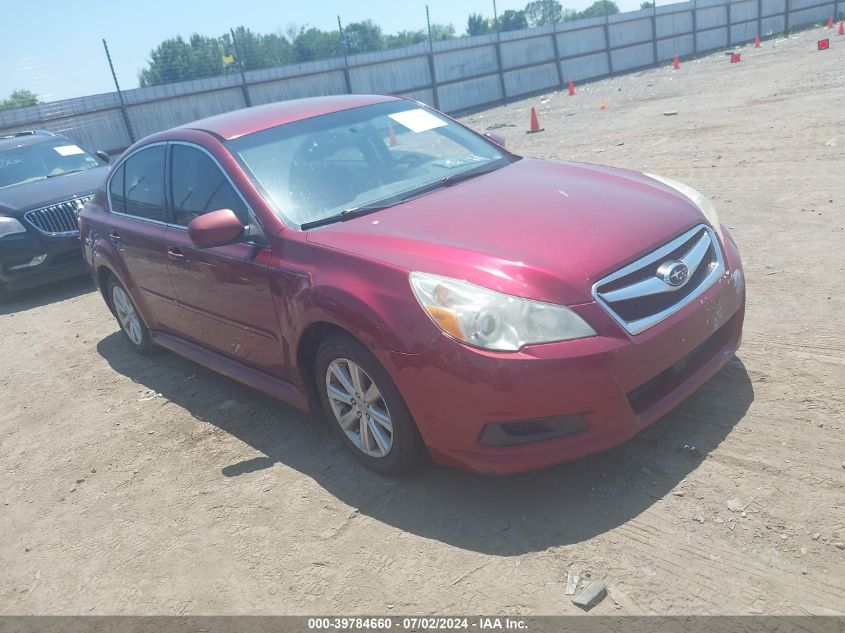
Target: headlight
10	226
493	320
698	199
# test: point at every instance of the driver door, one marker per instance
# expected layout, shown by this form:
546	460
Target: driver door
223	292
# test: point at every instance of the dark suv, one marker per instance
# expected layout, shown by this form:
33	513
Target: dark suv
45	179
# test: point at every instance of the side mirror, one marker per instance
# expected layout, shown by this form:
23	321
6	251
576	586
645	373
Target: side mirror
102	156
497	138
215	229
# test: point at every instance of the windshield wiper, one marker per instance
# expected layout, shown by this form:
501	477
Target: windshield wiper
65	173
346	214
354	212
469	173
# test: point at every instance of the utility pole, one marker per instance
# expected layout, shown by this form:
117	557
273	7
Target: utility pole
499	55
345	57
123	111
240	61
431	61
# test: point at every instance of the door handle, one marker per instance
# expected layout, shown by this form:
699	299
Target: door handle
175	254
114	236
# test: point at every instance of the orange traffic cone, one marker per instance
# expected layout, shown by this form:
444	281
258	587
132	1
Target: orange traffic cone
535	122
391	135
841	27
757	42
830	23
676	63
571	88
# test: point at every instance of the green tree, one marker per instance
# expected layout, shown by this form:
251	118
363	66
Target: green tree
542	12
599	8
312	43
177	60
478	25
362	37
258	50
441	32
512	20
19	99
646	5
404	38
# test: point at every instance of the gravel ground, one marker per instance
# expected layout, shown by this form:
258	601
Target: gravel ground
152	486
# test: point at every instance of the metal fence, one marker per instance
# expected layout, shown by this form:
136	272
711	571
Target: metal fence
455	76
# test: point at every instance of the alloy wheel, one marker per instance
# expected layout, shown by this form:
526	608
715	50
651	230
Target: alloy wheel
359	407
127	316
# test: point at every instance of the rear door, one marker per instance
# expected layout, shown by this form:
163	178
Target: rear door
224	292
136	230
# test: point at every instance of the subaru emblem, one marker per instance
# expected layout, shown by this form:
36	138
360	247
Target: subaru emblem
674	273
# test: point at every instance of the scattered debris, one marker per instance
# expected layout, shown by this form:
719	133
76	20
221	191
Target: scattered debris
591	595
736	505
670	113
840	545
619	143
816	536
700	519
692	450
678	493
149	394
571	582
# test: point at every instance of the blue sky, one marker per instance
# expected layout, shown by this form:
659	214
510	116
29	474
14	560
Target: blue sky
54	47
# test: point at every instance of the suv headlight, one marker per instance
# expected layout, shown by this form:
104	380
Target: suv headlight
698	199
10	226
493	320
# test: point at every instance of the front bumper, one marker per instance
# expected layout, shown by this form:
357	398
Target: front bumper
619	383
63	259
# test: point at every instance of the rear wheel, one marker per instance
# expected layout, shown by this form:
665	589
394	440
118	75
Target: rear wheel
131	325
365	407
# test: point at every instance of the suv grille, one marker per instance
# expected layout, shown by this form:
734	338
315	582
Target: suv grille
656	286
59	218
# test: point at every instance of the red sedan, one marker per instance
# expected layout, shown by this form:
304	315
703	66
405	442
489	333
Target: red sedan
371	260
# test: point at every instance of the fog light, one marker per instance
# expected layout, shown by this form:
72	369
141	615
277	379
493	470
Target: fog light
32	262
537	430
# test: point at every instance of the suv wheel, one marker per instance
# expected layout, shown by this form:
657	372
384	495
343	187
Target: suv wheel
131	325
365	407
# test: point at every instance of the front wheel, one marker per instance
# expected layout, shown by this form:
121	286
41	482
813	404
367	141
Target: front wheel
131	325
365	407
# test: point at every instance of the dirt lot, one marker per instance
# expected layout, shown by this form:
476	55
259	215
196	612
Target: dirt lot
212	498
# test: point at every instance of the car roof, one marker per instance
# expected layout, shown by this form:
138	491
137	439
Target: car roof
231	125
21	141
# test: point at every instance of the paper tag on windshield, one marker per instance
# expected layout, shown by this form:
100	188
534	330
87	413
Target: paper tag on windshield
68	150
418	120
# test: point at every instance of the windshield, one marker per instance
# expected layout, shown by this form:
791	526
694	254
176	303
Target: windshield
36	161
359	159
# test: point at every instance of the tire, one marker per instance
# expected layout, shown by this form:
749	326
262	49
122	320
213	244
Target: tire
130	322
404	446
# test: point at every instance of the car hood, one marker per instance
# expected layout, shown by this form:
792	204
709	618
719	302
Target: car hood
546	230
14	201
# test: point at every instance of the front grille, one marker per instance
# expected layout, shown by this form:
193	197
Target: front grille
638	296
59	218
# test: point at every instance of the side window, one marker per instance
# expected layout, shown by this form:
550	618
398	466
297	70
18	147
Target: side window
118	200
143	184
197	186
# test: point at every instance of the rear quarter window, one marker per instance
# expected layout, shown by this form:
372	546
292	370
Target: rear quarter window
137	187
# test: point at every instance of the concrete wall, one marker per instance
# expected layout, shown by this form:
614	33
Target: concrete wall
454	75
